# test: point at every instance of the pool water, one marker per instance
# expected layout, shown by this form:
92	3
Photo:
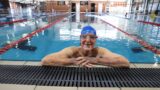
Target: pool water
66	33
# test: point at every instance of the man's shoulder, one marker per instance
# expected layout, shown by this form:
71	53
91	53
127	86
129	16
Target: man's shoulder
71	48
102	49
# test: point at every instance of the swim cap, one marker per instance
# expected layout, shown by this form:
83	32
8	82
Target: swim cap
87	30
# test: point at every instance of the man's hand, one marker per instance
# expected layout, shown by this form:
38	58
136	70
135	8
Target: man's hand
85	61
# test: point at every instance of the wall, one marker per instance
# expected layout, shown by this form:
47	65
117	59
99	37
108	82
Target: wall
53	6
4	4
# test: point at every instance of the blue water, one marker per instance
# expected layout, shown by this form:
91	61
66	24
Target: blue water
66	33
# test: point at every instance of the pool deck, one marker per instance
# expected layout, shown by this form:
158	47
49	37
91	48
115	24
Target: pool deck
35	87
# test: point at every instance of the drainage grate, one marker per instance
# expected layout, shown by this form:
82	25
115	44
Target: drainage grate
79	77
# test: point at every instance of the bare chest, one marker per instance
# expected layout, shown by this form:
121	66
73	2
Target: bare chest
80	53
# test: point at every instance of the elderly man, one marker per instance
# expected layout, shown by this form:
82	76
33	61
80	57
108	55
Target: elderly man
86	55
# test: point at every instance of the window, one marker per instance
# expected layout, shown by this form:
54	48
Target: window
83	2
61	3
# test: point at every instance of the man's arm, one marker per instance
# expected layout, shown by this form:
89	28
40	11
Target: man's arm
112	59
59	58
116	61
108	58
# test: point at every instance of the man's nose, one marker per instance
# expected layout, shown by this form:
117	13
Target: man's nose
88	38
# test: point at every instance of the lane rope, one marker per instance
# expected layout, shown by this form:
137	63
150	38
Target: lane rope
151	23
140	41
12	44
11	22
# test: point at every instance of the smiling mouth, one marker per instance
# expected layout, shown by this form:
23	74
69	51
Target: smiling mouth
87	46
87	43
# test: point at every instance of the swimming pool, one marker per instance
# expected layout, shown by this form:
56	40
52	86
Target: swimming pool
66	33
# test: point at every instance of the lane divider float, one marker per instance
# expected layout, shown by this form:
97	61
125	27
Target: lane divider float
11	22
151	23
14	43
140	41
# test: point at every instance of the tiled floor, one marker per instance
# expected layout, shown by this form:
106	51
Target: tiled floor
55	88
16	87
33	87
140	88
86	88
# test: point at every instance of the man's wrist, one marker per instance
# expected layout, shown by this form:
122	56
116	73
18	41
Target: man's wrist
94	60
72	60
97	60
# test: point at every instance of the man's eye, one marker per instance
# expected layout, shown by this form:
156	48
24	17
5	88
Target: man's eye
83	36
92	37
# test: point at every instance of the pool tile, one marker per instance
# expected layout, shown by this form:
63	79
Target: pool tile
33	63
16	87
101	66
140	88
54	88
97	88
12	62
147	66
132	66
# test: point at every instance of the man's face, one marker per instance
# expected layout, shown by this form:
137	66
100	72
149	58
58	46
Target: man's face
88	41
